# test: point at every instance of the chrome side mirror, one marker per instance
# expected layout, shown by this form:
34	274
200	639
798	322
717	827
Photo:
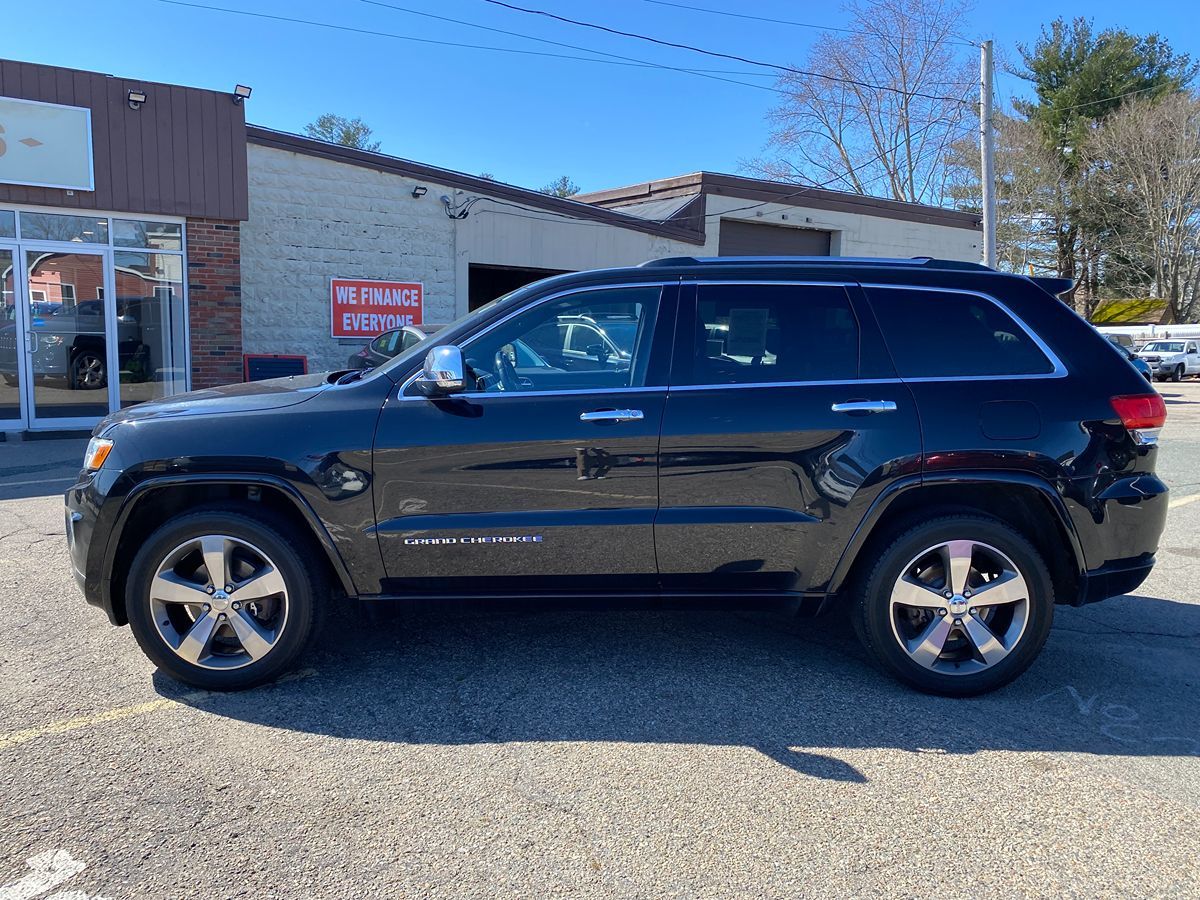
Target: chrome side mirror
444	372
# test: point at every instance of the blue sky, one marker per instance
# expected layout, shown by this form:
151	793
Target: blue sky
525	119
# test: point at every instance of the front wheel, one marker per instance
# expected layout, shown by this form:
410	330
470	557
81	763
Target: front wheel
88	372
1177	374
956	606
219	599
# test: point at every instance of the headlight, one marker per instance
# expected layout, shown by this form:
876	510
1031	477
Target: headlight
96	453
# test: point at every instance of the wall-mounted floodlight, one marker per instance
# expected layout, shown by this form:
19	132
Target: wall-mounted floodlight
136	99
241	93
420	191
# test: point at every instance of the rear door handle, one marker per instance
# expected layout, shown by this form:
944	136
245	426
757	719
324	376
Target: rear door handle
612	415
864	406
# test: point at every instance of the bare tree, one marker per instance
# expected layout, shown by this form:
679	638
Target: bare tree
1031	201
1146	188
877	110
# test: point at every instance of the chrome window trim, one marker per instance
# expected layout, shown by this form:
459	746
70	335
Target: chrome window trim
581	289
1059	370
781	384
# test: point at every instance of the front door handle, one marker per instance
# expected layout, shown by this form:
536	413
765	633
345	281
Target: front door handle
612	415
864	406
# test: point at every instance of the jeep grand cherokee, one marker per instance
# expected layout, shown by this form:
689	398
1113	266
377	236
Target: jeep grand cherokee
945	450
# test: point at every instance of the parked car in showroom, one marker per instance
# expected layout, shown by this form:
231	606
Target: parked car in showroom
388	345
1136	361
1172	359
944	451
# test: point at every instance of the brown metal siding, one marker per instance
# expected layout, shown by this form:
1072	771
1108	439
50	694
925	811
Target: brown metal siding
183	153
752	239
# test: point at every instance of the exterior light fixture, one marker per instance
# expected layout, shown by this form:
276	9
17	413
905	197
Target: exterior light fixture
241	93
420	191
136	99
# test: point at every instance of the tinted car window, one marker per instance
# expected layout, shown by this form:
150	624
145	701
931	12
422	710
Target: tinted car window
385	343
530	352
747	334
933	334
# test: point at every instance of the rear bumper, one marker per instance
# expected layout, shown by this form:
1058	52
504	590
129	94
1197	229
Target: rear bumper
1113	580
1119	529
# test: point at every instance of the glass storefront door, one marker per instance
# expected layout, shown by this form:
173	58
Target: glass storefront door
69	322
12	337
92	317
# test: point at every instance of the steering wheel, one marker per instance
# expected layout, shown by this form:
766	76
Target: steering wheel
506	373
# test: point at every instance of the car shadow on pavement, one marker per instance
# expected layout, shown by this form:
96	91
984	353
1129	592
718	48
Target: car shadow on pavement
1115	679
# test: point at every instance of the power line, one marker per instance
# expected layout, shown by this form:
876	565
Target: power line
529	37
733	15
1106	99
454	44
616	60
714	53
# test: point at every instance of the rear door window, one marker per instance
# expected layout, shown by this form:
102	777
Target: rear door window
951	334
771	334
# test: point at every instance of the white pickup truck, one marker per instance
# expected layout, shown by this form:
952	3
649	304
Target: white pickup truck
1172	359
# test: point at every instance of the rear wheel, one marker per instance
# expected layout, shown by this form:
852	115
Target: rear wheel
221	600
957	606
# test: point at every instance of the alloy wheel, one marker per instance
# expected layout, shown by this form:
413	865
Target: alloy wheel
959	607
89	372
219	602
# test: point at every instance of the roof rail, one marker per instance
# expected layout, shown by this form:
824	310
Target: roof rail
928	261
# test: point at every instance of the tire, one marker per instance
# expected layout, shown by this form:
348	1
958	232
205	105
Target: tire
277	614
891	630
1177	374
88	371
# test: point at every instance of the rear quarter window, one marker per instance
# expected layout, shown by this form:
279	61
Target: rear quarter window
949	334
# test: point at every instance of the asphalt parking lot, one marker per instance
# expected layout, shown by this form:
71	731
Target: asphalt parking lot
597	754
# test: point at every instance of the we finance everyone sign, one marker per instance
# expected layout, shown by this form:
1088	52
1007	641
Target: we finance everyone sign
363	309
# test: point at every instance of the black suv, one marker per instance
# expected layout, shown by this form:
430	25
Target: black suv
946	450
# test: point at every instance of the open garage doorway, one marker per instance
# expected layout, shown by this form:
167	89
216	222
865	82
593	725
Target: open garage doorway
486	283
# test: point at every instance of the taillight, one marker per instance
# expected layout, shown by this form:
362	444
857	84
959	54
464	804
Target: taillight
363	353
1142	415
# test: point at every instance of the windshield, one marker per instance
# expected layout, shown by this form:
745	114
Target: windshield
1165	346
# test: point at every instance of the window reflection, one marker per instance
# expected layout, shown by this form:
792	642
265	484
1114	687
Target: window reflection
152	235
67	335
10	340
51	227
8	223
150	325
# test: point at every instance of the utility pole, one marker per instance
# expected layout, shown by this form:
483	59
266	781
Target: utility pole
987	152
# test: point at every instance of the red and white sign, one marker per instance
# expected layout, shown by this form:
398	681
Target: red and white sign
363	309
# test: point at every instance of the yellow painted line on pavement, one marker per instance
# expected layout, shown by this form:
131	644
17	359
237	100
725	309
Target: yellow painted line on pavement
1182	501
62	726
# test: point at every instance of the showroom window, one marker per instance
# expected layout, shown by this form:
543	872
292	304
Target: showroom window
144	264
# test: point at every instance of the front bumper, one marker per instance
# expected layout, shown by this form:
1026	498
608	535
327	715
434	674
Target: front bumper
87	541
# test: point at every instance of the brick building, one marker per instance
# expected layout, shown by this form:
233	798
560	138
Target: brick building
150	240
